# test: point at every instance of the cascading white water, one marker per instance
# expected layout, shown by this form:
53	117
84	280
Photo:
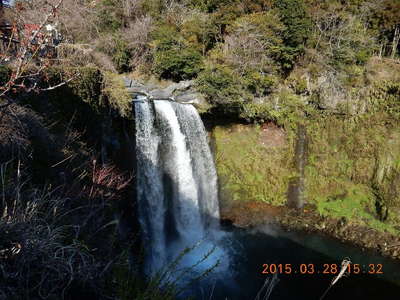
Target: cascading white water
176	179
149	183
177	165
204	168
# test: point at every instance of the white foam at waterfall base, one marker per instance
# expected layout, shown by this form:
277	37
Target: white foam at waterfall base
172	141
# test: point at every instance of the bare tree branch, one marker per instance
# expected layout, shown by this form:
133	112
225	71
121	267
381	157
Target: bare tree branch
31	41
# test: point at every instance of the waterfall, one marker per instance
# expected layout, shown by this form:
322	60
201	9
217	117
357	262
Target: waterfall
176	179
149	183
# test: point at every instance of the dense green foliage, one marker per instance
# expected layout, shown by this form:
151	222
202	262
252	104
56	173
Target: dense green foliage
219	83
120	55
109	16
244	55
172	58
294	15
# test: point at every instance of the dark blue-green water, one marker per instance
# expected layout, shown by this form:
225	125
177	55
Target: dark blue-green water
249	250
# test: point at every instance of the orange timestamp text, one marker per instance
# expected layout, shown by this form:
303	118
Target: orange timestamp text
321	269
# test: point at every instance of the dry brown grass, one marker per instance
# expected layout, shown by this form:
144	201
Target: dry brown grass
19	126
49	236
379	69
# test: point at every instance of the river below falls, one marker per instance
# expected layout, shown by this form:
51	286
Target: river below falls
249	250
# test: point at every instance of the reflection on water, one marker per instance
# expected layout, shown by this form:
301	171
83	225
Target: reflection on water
249	250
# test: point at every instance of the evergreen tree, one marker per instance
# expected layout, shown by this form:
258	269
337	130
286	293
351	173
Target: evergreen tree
295	17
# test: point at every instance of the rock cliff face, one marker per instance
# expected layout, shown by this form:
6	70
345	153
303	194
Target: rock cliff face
182	92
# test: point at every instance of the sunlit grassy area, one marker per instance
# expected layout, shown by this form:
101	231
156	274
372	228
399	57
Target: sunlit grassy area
249	167
352	170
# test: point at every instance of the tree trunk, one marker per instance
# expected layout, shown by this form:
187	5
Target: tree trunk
381	50
396	39
295	194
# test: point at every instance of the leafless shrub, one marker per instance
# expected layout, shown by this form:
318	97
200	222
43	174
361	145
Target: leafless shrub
108	182
33	38
80	55
49	235
103	61
132	8
79	21
106	44
251	43
176	13
245	51
19	126
47	238
34	256
76	18
341	32
137	37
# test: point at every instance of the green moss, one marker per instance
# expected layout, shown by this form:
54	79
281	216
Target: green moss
356	206
384	97
353	168
87	85
249	169
343	164
117	95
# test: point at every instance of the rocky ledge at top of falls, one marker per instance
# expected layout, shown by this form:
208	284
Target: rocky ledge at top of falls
182	92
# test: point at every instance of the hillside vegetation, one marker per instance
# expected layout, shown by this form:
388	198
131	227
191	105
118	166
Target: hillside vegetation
330	66
257	60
